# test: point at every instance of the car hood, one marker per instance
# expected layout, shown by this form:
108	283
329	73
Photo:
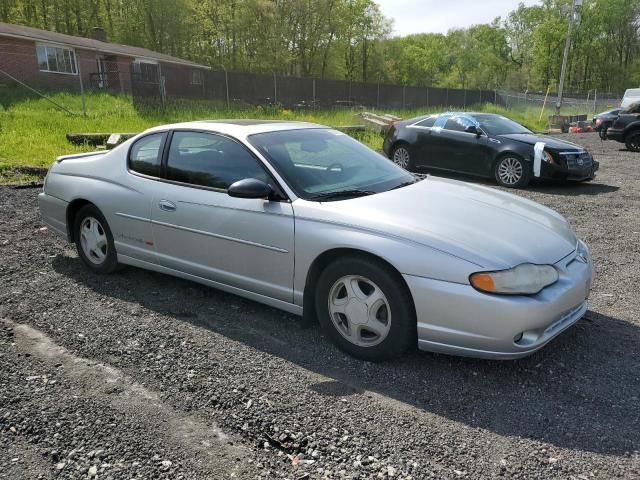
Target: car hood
531	139
485	226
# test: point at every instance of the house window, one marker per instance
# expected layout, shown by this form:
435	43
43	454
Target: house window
56	59
196	77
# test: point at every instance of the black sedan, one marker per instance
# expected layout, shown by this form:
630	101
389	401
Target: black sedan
485	145
603	120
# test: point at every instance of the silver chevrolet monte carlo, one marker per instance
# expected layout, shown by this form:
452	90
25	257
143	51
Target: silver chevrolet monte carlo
303	218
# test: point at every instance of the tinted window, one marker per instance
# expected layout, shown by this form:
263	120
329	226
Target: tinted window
458	124
210	161
499	125
427	122
145	155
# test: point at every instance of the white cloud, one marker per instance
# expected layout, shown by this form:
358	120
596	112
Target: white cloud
438	16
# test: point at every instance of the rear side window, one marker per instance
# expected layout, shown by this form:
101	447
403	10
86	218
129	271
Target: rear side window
210	160
458	124
427	122
145	155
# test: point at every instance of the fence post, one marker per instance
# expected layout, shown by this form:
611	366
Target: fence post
226	85
378	96
495	97
480	91
427	106
464	99
314	93
275	89
404	95
84	101
595	96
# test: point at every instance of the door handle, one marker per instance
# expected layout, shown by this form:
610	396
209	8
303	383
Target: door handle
167	206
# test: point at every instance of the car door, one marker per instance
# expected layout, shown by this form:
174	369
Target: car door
423	146
199	229
463	151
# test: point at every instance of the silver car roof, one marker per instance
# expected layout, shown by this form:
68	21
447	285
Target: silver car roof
241	128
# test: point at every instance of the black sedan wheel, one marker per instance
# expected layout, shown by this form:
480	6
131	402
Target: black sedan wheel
633	142
603	133
402	157
511	172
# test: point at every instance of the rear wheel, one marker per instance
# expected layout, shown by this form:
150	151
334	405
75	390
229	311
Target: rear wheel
366	309
402	157
94	240
512	172
633	141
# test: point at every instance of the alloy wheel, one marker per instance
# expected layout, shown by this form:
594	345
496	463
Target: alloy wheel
510	171
359	310
402	157
93	240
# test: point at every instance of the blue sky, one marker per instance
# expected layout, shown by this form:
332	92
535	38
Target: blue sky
421	16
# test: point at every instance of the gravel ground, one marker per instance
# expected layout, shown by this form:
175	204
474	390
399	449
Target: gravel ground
140	375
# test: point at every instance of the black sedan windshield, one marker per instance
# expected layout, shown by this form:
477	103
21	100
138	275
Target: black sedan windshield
499	125
323	164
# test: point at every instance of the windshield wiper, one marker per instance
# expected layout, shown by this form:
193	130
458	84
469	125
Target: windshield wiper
405	184
342	194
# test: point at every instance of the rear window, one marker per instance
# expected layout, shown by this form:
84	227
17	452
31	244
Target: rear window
145	155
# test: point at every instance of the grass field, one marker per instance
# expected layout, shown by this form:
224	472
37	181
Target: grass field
32	130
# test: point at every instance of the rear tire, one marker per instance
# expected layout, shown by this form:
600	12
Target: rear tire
366	309
403	157
94	240
511	171
633	141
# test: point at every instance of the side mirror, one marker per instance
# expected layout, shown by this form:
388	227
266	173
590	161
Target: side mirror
250	188
473	129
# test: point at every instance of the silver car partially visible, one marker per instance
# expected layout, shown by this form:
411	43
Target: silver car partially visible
303	218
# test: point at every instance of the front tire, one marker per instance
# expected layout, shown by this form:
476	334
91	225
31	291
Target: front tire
365	308
403	157
94	240
633	141
511	171
602	133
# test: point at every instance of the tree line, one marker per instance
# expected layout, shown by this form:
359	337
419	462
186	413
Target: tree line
351	39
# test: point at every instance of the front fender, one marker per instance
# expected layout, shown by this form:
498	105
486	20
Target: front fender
313	238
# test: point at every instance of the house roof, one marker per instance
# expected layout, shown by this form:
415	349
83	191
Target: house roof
36	34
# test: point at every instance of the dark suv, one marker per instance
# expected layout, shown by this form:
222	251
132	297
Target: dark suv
626	128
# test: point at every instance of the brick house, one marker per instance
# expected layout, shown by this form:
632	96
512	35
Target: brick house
56	61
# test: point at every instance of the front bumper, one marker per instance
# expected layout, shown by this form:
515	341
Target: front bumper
570	170
456	319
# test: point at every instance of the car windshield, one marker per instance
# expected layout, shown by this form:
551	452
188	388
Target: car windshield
499	125
324	164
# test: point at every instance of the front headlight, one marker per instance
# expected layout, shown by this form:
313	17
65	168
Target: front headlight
547	157
525	279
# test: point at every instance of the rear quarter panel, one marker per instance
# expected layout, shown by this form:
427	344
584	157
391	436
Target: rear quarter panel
105	182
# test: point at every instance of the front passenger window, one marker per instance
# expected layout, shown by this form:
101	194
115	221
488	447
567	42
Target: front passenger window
210	160
457	124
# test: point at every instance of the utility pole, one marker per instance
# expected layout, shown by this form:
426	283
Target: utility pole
567	47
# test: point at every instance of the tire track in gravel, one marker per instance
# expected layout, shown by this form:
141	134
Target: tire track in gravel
88	381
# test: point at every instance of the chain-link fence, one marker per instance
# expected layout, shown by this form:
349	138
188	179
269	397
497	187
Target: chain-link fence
590	103
238	89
